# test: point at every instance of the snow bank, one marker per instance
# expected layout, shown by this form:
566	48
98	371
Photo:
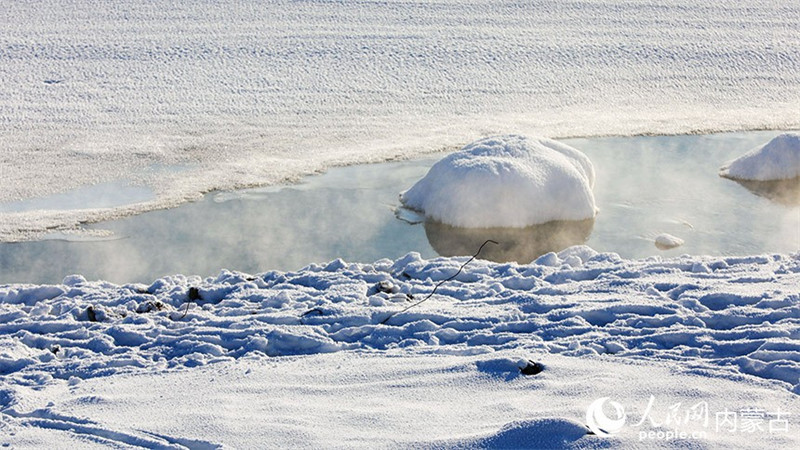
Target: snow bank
506	181
730	316
778	159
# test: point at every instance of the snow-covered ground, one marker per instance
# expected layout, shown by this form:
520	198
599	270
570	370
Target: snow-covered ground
190	361
187	96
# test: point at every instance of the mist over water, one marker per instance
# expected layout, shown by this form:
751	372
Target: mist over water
645	186
512	244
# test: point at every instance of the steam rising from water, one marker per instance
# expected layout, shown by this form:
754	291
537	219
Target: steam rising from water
645	186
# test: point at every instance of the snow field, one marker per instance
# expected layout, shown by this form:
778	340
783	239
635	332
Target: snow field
367	399
179	98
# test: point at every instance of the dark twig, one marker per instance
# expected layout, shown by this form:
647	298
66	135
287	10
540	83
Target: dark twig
185	312
383	322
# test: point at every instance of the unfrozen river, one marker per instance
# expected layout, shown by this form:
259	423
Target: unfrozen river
645	186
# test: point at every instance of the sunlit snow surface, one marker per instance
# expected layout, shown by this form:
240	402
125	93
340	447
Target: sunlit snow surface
246	93
778	159
719	330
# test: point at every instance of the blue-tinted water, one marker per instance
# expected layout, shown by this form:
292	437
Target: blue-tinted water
645	186
103	195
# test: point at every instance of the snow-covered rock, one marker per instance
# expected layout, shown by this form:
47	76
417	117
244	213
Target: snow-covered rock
666	241
778	159
506	181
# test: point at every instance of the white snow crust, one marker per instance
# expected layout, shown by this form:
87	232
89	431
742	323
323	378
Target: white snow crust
506	181
778	159
720	330
186	96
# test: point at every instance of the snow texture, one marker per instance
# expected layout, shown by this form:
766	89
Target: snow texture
727	327
506	181
730	315
381	400
778	159
185	97
181	97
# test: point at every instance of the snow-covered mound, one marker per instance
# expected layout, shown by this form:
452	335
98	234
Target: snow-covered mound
778	159
666	241
506	181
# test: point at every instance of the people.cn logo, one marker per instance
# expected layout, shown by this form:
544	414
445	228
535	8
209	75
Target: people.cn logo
600	423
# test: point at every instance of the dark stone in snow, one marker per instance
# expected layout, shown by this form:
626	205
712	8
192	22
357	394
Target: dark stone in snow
532	368
91	314
194	294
